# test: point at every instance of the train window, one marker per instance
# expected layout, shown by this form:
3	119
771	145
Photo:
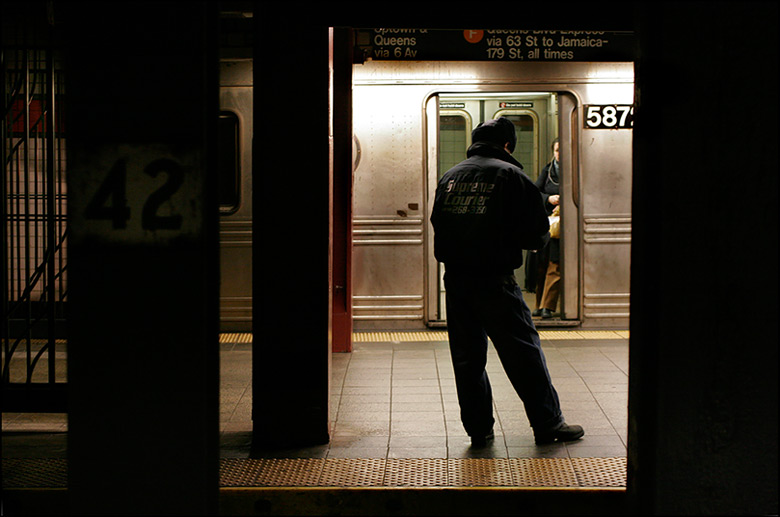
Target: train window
525	151
229	165
454	133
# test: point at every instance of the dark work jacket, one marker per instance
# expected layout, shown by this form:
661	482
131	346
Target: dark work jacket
485	213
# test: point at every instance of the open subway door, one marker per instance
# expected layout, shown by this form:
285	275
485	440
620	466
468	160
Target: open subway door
450	119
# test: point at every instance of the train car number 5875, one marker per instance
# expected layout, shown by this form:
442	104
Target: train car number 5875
609	116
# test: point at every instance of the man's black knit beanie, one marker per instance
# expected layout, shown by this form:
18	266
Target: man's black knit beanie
498	131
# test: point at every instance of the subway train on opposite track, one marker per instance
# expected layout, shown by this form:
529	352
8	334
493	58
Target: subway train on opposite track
412	120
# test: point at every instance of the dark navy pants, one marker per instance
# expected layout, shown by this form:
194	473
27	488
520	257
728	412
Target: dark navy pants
493	306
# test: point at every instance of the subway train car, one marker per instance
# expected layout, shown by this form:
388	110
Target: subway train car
235	194
412	121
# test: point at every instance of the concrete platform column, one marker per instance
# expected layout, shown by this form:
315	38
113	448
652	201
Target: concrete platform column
292	199
143	265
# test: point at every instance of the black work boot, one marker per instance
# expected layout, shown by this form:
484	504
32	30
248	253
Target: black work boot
482	441
563	433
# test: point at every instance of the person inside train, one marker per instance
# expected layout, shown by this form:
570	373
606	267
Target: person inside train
547	267
486	212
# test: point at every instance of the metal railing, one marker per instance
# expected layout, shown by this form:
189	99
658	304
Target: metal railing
34	227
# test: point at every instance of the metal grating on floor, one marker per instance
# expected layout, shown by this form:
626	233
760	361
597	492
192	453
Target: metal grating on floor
600	472
428	472
416	472
363	472
35	472
352	472
480	472
539	472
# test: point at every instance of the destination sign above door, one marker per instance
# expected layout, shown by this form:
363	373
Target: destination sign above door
495	45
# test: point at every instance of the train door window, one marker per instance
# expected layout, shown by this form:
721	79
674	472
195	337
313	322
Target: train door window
228	162
454	139
527	149
526	152
529	130
454	136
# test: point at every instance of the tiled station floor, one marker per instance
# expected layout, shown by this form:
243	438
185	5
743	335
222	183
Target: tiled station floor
395	421
394	396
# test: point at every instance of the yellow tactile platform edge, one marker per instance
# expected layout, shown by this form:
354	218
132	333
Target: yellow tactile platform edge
425	335
366	472
235	337
441	335
425	472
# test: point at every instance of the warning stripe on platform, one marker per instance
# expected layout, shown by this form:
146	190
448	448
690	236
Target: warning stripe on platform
371	337
441	335
236	337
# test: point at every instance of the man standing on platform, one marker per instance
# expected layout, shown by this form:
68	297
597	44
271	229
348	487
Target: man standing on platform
486	212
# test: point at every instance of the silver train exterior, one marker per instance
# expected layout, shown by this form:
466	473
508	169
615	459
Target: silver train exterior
235	229
411	122
406	116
